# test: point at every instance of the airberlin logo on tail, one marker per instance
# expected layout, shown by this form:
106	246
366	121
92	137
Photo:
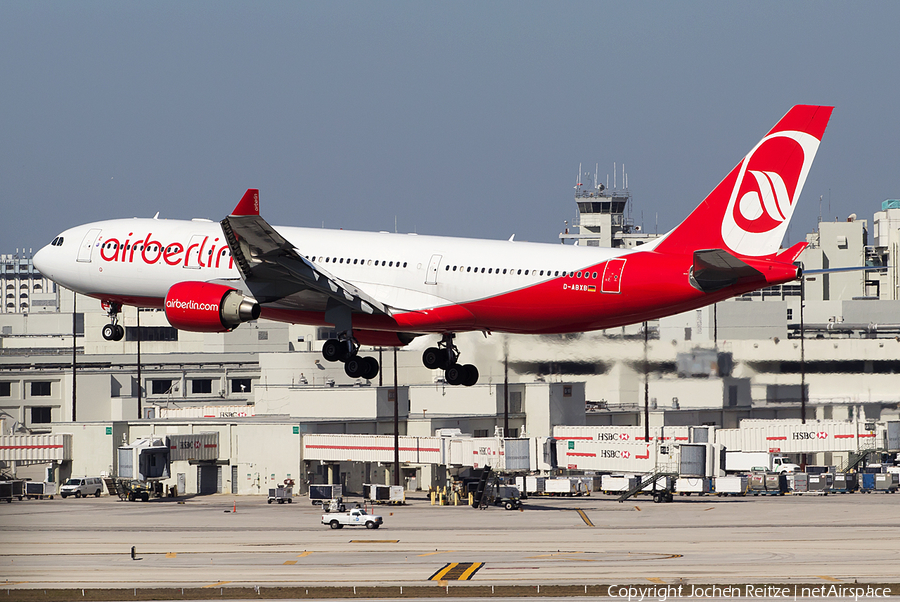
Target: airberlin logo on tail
765	193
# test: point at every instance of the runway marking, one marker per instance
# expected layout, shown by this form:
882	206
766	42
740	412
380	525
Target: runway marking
304	554
290	562
374	541
655	580
457	571
637	508
827	578
554	554
215	584
584	517
171	554
433	553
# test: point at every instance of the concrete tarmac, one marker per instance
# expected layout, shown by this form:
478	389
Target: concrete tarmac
86	543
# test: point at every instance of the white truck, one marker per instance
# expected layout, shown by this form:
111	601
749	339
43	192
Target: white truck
741	461
356	517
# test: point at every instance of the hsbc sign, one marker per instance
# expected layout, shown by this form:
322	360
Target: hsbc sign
808	435
613	437
615	453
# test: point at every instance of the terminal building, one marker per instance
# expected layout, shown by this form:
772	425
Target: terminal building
824	349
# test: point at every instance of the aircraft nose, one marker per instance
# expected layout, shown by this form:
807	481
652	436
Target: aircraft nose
41	261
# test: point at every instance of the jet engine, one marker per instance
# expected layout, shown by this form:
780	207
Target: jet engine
207	307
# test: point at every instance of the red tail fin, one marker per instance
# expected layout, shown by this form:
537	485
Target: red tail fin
749	211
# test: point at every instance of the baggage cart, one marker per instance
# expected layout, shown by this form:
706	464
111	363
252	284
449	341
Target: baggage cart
38	490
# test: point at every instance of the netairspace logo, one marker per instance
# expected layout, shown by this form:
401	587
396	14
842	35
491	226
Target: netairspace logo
662	593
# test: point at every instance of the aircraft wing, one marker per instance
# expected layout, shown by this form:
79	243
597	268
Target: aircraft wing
276	274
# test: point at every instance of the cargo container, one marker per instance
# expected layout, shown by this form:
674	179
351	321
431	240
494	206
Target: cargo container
867	482
886	482
36	448
38	490
820	483
531	485
798	482
845	483
197	447
731	485
321	493
689	485
562	486
619	484
12	489
384	494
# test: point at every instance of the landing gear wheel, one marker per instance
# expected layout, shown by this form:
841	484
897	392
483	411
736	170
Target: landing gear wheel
434	358
331	350
470	375
355	367
113	332
455	374
371	368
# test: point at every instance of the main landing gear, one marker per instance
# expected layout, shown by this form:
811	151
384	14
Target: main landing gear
445	357
113	331
345	349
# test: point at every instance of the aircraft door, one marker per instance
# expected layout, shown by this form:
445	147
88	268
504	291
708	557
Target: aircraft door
193	252
612	276
87	245
433	265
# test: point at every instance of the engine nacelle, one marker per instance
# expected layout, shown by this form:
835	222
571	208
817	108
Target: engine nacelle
206	307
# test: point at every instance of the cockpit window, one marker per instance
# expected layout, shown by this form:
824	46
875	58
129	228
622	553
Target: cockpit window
57	242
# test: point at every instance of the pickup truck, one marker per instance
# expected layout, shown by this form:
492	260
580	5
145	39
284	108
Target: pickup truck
355	517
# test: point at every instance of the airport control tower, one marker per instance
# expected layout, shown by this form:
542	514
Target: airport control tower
603	218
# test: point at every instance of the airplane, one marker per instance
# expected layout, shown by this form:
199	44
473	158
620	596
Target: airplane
384	289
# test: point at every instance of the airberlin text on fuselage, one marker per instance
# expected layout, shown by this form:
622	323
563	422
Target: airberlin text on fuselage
152	251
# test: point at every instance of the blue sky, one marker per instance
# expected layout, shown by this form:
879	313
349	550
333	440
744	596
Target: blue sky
462	118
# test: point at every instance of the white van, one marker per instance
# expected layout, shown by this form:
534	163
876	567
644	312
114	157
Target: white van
82	486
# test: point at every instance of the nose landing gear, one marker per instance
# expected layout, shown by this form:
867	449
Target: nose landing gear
445	357
113	331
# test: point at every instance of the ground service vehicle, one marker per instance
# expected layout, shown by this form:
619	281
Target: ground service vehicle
356	517
82	486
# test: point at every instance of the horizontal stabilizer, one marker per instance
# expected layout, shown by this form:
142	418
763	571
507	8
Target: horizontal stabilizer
855	268
715	269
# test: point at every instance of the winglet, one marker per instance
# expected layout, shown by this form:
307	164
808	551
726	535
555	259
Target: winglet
249	204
